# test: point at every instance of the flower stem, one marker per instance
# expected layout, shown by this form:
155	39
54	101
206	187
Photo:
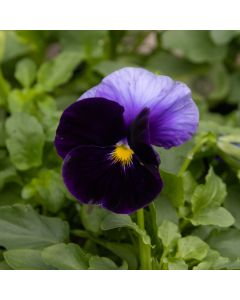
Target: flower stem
144	249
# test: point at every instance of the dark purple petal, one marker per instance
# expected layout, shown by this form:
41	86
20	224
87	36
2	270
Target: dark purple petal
93	121
173	115
139	139
92	177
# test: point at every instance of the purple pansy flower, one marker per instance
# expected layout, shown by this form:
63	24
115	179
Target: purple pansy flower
106	137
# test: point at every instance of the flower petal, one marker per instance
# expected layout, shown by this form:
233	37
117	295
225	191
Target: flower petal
93	121
139	139
92	177
173	114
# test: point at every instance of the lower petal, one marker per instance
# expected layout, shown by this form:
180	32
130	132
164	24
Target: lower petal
94	178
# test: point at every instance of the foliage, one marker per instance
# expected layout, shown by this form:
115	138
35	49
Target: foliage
195	221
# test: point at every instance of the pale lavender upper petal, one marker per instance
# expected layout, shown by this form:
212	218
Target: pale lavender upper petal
173	115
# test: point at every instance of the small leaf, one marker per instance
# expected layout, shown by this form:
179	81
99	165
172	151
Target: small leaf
168	233
58	70
218	216
49	189
13	46
22	227
25	72
65	257
25	259
209	195
192	247
25	141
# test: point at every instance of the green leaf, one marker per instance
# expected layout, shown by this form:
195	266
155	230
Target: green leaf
48	188
4	89
25	259
172	159
22	101
227	242
192	247
218	216
25	72
213	261
209	195
112	221
22	227
189	185
58	70
65	257
48	115
7	171
165	210
194	45
169	234
89	43
218	82
92	217
107	66
176	264
229	149
206	201
166	63
234	94
10	194
232	203
13	46
173	188
102	263
25	141
4	265
125	251
2	44
223	37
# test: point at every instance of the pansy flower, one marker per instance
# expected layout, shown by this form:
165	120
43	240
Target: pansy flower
106	138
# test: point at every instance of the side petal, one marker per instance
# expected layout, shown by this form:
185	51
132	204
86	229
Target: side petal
93	121
174	119
92	177
173	114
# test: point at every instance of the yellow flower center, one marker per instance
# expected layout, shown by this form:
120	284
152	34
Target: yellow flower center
122	154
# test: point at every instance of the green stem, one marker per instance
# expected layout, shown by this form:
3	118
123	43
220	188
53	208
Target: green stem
190	156
144	250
